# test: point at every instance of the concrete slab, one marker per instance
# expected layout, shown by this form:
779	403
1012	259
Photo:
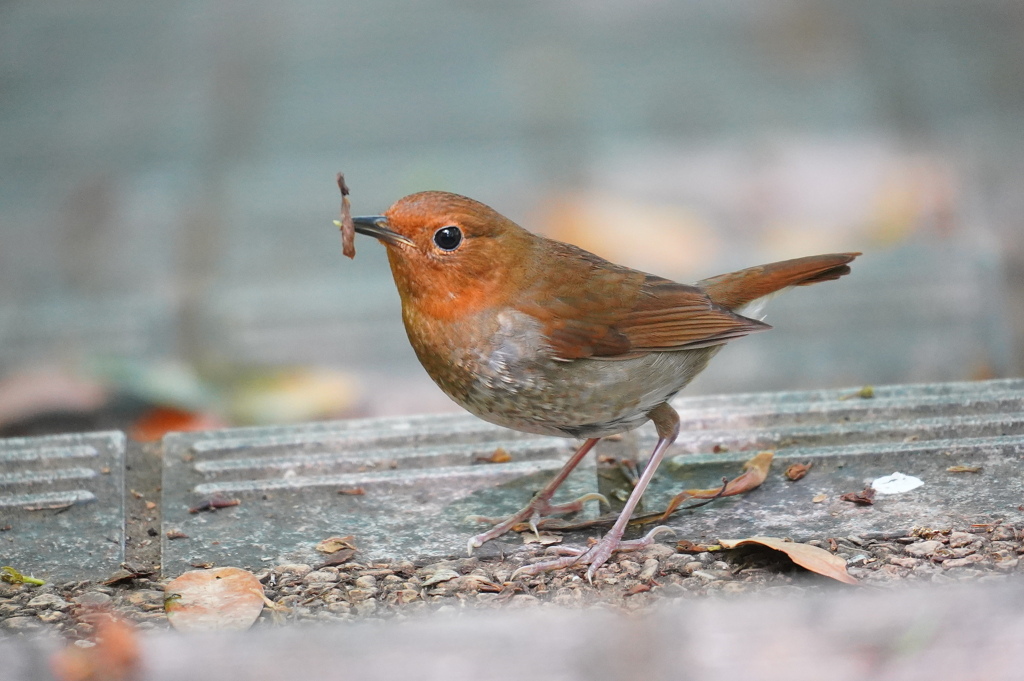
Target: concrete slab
62	505
420	476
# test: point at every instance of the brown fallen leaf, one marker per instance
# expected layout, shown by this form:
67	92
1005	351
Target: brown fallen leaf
544	539
337	558
348	228
500	455
865	497
176	534
213	503
811	557
798	470
114	657
755	471
352	491
225	598
964	469
335	544
818	498
127	573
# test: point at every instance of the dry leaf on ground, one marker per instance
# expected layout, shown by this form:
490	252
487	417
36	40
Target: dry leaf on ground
865	497
811	557
964	469
755	471
335	544
224	598
797	470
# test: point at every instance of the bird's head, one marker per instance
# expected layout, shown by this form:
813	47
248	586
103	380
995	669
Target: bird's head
449	255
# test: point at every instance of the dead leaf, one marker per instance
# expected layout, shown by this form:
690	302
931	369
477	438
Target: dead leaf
225	598
213	503
754	473
348	228
865	497
127	573
500	455
544	539
810	557
114	657
818	498
335	544
798	470
176	534
964	469
352	491
337	558
150	505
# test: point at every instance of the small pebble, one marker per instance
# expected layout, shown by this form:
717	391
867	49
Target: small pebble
923	549
92	598
320	576
51	601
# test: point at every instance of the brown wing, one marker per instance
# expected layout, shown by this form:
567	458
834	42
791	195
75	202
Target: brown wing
597	309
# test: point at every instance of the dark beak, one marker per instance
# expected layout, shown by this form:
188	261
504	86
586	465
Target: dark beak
377	227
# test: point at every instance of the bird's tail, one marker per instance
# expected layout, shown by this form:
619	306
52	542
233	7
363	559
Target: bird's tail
737	290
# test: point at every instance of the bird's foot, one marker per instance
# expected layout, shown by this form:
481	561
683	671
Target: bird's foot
538	508
594	556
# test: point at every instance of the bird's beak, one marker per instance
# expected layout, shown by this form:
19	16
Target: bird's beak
377	227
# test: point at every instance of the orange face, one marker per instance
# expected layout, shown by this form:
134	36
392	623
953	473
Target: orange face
450	255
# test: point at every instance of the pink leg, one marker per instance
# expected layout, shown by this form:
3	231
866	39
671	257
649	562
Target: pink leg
666	420
541	504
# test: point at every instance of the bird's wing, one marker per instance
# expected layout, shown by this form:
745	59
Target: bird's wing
597	309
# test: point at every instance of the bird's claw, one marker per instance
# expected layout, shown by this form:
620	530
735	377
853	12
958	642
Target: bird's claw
594	557
531	513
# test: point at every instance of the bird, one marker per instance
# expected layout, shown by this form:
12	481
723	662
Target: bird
544	337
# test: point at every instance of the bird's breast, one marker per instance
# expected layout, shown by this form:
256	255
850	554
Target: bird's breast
499	367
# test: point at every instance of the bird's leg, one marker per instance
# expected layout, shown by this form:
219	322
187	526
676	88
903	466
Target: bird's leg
541	504
666	420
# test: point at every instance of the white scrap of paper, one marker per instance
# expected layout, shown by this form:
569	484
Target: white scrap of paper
897	483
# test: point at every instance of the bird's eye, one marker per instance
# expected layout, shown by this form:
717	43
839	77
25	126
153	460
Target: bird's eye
448	238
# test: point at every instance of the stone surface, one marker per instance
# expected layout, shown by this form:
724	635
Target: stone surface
62	504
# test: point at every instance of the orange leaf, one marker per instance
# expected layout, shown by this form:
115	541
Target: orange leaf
797	470
224	598
811	557
754	473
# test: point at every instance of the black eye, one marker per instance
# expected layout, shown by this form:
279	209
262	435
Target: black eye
448	238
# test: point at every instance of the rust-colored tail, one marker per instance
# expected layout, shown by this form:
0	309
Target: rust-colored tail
736	289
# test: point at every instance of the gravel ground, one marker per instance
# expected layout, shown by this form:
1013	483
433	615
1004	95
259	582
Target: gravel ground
630	582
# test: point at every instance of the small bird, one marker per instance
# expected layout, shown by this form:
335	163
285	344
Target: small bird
543	337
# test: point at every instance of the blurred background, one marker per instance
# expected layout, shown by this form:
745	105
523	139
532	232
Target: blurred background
167	258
